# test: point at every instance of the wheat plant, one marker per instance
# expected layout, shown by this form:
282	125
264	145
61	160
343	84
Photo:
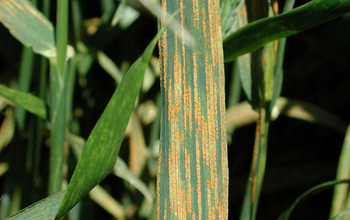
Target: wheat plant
98	125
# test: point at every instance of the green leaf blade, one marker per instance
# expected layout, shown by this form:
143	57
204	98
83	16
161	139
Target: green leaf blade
29	102
102	147
44	209
258	33
62	34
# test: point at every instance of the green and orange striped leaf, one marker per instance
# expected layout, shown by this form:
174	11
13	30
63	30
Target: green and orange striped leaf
192	180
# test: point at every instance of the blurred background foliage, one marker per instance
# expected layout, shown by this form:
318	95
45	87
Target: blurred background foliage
300	154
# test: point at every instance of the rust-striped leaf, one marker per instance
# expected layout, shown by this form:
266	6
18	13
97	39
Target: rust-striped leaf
192	180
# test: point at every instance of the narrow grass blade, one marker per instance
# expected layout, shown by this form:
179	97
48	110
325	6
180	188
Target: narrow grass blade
61	34
192	178
28	25
102	147
316	189
258	33
24	81
44	209
27	101
341	192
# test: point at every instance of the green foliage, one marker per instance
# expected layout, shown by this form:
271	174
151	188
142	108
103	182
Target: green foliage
102	147
259	33
64	93
44	209
29	102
